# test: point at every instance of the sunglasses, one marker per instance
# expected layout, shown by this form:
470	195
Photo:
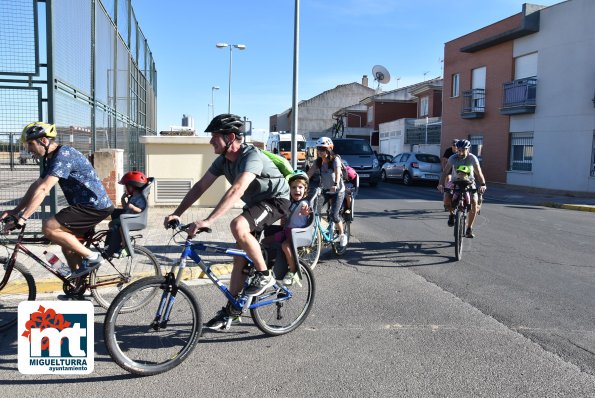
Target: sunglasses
321	149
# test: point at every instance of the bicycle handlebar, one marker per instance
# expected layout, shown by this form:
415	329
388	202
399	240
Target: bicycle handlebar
14	220
175	224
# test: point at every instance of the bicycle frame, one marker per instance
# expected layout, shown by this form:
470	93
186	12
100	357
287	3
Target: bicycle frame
19	246
72	283
191	250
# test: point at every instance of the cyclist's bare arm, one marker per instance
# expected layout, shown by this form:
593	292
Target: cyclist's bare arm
36	194
192	196
443	176
480	178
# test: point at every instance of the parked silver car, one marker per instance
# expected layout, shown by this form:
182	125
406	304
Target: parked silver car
411	166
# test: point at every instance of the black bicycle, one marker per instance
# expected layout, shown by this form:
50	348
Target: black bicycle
17	283
461	202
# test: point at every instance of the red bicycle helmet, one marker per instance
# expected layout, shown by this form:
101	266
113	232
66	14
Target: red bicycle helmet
134	178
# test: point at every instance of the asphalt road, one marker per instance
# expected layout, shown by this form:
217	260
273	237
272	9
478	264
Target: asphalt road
397	316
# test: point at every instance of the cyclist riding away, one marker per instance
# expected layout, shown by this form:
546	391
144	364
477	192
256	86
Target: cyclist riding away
82	188
256	180
328	165
462	158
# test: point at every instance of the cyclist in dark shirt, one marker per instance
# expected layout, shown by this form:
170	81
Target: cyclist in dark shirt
88	201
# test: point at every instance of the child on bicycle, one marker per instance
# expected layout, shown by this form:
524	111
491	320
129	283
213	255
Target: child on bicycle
133	202
298	218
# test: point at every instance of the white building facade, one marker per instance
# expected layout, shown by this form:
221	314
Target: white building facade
557	142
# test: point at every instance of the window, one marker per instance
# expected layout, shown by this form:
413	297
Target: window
521	151
423	106
454	90
476	145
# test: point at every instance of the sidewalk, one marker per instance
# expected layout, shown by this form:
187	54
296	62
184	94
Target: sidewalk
540	197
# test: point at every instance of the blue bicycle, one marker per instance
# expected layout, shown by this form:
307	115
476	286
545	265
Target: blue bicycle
162	334
327	236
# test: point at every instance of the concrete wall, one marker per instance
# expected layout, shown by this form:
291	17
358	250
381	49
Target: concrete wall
316	114
109	166
564	119
171	158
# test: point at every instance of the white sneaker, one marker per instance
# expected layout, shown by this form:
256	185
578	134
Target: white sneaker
343	240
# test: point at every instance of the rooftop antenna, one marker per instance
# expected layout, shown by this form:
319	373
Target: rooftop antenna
381	75
398	78
425	73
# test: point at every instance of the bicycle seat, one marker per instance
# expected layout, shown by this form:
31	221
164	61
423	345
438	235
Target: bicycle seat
135	222
304	236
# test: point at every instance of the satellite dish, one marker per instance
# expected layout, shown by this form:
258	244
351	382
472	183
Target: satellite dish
380	74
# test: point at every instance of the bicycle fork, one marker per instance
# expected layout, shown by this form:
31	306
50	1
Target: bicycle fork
170	289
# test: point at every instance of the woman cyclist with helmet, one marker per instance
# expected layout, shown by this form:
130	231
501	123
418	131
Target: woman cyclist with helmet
328	165
88	201
463	158
133	202
256	181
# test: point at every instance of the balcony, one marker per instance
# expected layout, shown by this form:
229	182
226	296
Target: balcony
518	96
473	103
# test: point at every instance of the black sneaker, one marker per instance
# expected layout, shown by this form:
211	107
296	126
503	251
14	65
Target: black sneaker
260	283
451	220
221	319
469	233
87	266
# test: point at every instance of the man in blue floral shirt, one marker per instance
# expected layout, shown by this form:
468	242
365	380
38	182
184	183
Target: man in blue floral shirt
84	192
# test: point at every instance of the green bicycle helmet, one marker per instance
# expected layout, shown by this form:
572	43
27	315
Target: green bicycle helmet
298	175
464	169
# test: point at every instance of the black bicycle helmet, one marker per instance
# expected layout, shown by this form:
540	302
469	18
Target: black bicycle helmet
225	124
463	144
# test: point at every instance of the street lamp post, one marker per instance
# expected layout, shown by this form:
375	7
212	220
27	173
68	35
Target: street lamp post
231	46
213	98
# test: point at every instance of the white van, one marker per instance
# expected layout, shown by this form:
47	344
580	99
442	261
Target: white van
279	142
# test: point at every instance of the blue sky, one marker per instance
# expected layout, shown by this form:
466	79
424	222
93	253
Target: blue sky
340	41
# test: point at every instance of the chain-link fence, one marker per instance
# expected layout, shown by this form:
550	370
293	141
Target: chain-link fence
83	65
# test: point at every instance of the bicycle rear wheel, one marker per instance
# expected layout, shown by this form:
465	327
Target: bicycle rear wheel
20	287
138	346
284	316
109	279
310	254
337	248
459	231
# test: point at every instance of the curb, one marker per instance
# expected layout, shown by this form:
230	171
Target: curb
569	206
54	285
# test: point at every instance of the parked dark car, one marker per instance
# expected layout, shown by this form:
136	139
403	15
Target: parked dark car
383	158
411	166
359	154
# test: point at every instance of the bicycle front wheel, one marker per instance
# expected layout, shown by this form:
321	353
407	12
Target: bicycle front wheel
20	287
337	248
459	231
310	254
109	279
285	315
139	346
